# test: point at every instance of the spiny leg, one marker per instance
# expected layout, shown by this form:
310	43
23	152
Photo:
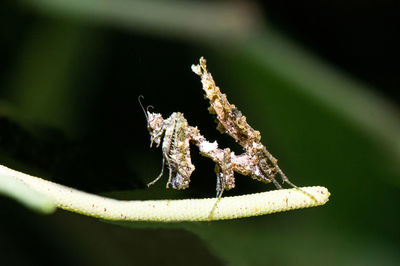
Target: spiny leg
170	173
159	135
168	144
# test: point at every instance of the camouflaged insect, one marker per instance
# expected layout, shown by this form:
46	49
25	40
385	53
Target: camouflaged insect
175	147
176	136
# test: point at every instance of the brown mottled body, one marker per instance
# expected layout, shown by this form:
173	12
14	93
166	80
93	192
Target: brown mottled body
175	147
261	165
180	163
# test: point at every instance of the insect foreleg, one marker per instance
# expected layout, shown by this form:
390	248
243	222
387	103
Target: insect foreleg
167	145
157	138
170	167
181	164
160	128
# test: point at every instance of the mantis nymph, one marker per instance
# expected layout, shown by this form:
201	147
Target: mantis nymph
176	136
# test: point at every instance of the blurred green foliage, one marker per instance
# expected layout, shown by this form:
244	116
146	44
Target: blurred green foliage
71	75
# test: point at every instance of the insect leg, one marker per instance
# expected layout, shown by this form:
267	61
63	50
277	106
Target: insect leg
170	173
286	180
225	178
284	177
276	183
169	126
220	190
220	181
160	175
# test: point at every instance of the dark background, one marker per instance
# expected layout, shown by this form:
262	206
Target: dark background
359	37
318	79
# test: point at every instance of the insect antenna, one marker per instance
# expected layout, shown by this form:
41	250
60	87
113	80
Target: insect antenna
141	105
145	111
149	106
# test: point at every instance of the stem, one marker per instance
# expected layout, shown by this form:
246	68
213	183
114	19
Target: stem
171	210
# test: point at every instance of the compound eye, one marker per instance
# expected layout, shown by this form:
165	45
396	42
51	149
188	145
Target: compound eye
152	122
